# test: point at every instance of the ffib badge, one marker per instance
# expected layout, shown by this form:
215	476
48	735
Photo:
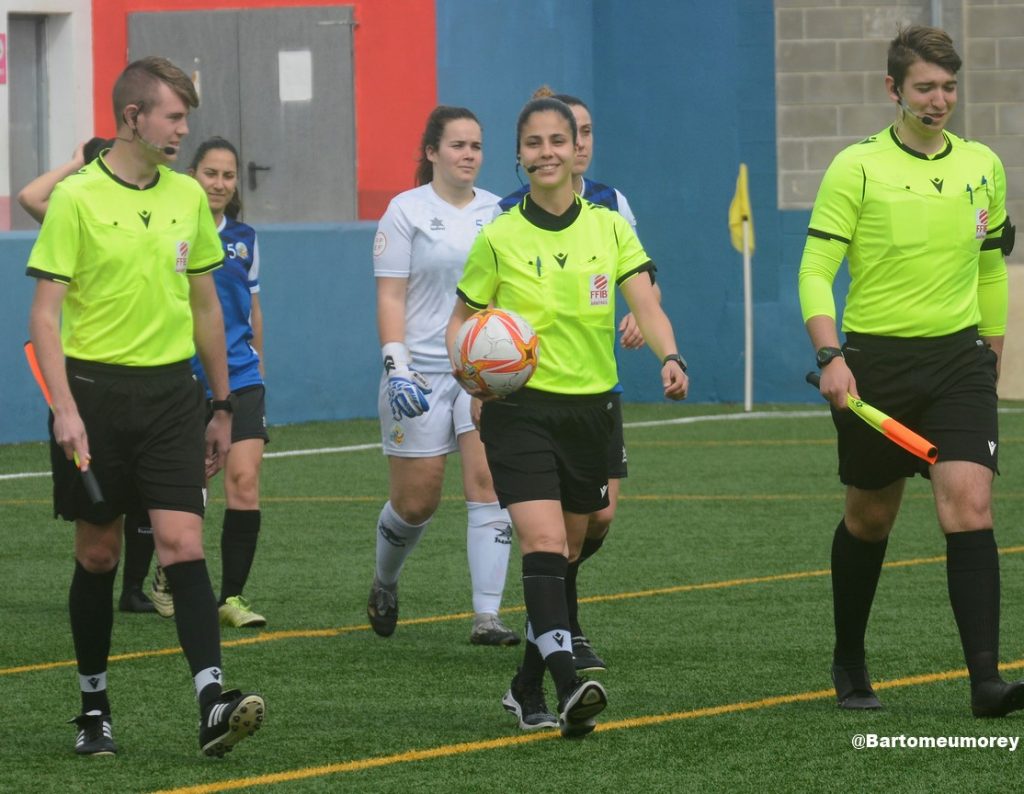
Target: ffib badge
181	260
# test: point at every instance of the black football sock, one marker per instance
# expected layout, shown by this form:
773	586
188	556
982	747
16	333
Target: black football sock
532	671
91	605
544	593
590	548
197	621
138	550
972	573
856	568
237	550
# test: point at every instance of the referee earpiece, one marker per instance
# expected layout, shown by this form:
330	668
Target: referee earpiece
924	119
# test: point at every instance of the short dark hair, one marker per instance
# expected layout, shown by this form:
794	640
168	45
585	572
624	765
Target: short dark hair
539	106
921	43
432	134
91	148
234	206
138	83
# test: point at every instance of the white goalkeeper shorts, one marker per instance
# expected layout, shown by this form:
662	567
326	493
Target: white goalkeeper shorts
430	434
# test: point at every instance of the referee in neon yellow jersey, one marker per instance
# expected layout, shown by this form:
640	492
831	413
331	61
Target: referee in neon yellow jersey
554	258
920	215
124	296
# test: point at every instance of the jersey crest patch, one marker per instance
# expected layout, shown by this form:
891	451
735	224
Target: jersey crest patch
181	260
599	290
380	242
981	224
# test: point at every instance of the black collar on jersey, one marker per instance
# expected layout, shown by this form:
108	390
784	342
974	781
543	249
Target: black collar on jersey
545	220
914	152
121	182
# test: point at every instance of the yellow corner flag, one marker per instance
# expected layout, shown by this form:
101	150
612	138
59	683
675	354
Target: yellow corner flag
739	211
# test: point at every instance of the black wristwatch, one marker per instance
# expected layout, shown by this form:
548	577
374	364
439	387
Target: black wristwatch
826	354
222	405
676	358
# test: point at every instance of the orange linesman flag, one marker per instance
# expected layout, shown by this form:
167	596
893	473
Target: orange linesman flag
739	211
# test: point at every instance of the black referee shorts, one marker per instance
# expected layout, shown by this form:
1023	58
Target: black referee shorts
549	446
943	388
146	436
617	469
249	419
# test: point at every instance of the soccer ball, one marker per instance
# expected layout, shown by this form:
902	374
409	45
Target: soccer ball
497	351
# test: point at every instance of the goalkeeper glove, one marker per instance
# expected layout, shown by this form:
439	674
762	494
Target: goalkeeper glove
407	389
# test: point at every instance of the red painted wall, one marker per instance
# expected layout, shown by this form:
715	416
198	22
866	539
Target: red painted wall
395	79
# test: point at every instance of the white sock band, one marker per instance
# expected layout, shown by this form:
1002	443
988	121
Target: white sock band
92	683
554	641
211	675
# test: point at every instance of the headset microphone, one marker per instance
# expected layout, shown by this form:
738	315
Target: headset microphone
924	119
167	150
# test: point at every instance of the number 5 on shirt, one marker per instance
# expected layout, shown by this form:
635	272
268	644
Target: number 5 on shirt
896	432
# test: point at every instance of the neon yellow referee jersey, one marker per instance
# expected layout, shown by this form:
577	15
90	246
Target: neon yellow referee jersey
921	235
126	254
559	273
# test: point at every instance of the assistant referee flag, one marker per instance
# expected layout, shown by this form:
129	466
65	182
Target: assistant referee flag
739	211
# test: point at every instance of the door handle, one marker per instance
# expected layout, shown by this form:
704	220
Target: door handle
253	168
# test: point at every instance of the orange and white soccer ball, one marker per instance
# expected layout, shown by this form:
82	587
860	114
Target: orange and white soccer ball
497	351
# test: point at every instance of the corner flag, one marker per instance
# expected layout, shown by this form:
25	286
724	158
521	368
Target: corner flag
739	211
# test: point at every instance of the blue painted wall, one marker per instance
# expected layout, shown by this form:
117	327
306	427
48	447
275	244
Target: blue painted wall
681	93
322	355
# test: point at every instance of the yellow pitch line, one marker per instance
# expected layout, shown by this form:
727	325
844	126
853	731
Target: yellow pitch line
292	634
462	748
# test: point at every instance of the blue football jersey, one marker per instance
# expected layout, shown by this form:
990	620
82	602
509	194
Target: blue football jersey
237	281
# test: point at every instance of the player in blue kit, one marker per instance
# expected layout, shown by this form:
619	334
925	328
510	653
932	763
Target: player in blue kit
215	167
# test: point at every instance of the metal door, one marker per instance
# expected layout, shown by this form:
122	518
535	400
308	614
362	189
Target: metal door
204	46
26	59
277	83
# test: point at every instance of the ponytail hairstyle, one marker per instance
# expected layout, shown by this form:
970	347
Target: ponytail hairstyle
432	134
572	101
234	207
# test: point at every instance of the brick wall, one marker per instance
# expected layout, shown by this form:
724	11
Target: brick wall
829	72
829	78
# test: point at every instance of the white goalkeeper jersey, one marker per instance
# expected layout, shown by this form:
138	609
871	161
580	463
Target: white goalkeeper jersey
424	239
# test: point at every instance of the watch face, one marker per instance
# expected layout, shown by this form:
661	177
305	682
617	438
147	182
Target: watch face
826	354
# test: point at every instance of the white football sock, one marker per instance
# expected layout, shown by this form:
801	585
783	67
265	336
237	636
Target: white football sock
395	541
488	543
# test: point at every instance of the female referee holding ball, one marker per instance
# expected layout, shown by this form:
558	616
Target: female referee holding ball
551	259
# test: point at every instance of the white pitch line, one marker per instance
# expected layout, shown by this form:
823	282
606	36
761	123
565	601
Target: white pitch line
292	453
684	420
